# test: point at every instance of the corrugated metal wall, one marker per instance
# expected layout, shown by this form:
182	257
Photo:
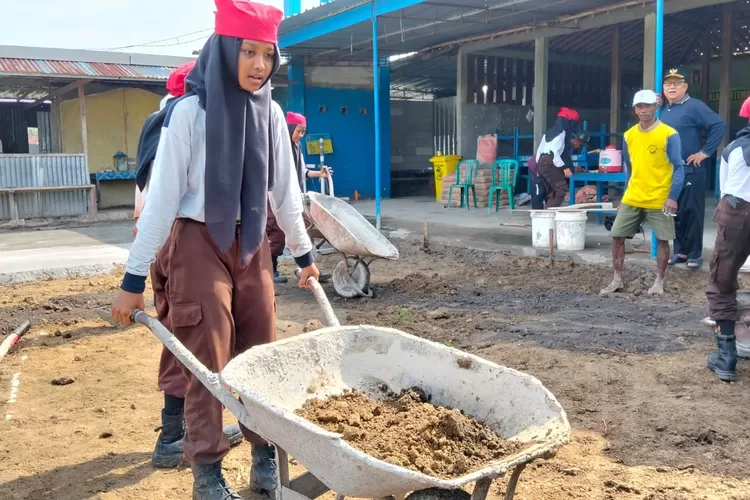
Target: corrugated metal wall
445	125
44	171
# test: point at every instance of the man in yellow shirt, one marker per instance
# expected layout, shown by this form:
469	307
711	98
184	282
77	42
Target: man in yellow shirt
652	153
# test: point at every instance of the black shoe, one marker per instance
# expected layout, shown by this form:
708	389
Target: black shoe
263	474
209	483
723	361
168	451
279	279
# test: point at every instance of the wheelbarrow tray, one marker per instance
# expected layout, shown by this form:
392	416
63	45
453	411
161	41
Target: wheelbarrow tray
346	229
276	379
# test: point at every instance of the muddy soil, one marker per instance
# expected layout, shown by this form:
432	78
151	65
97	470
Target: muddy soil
648	420
406	430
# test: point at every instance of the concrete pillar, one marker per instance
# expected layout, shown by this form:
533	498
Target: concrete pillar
615	87
706	67
725	73
295	92
649	51
541	74
462	71
84	131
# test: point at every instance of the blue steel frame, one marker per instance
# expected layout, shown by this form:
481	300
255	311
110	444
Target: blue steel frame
363	12
342	20
658	73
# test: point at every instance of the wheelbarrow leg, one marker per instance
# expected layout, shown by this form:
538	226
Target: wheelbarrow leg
283	467
510	491
481	489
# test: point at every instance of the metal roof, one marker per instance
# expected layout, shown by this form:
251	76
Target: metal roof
436	74
79	69
420	26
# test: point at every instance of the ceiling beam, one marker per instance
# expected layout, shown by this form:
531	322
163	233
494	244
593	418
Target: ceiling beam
58	92
631	10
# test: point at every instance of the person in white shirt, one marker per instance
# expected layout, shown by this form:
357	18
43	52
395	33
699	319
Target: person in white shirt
223	153
731	250
553	162
168	452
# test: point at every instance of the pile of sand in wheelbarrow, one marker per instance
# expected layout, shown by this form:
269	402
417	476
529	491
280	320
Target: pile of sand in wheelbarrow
408	431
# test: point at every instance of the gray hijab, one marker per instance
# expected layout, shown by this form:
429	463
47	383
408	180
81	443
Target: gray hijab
239	146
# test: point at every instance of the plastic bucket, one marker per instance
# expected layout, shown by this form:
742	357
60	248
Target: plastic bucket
541	222
570	230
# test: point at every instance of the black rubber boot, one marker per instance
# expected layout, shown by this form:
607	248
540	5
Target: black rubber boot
263	474
168	451
209	483
723	361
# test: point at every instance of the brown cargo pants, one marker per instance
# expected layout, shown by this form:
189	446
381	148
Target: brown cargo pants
731	250
218	310
554	181
172	380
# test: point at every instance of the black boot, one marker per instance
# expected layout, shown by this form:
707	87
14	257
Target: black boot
723	361
168	451
209	483
263	474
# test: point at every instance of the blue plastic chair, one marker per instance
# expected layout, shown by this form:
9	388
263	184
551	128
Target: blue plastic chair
471	167
503	179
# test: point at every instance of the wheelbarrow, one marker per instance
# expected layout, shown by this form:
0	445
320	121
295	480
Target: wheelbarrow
351	235
274	380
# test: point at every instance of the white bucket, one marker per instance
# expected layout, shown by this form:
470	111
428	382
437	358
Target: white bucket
541	222
746	266
570	231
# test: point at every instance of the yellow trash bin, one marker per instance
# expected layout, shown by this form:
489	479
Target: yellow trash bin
443	165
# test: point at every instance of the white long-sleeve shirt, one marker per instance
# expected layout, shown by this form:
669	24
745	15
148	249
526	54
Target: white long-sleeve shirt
734	172
556	146
177	185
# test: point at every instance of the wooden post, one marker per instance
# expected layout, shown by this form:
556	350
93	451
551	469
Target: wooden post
541	77
706	67
615	88
84	133
725	74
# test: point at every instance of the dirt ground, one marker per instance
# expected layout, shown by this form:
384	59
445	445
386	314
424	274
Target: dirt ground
649	421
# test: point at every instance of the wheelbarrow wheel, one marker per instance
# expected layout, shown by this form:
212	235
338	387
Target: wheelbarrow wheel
352	283
438	494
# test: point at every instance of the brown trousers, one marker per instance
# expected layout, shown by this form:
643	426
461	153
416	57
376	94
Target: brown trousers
731	250
172	380
218	310
276	237
554	181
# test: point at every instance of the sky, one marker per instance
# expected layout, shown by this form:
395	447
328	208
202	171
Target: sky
164	27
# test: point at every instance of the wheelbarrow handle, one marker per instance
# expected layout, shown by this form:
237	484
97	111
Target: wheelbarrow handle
329	317
204	375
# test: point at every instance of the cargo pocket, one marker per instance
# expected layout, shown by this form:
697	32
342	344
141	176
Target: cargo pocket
728	220
185	315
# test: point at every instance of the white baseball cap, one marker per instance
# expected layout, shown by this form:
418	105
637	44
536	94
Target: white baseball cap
644	97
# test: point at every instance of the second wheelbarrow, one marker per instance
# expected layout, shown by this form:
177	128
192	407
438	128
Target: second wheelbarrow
357	241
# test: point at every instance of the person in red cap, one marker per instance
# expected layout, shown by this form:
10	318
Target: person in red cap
297	127
554	163
223	153
172	381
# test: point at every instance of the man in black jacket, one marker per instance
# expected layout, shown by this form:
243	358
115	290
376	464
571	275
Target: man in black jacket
691	118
